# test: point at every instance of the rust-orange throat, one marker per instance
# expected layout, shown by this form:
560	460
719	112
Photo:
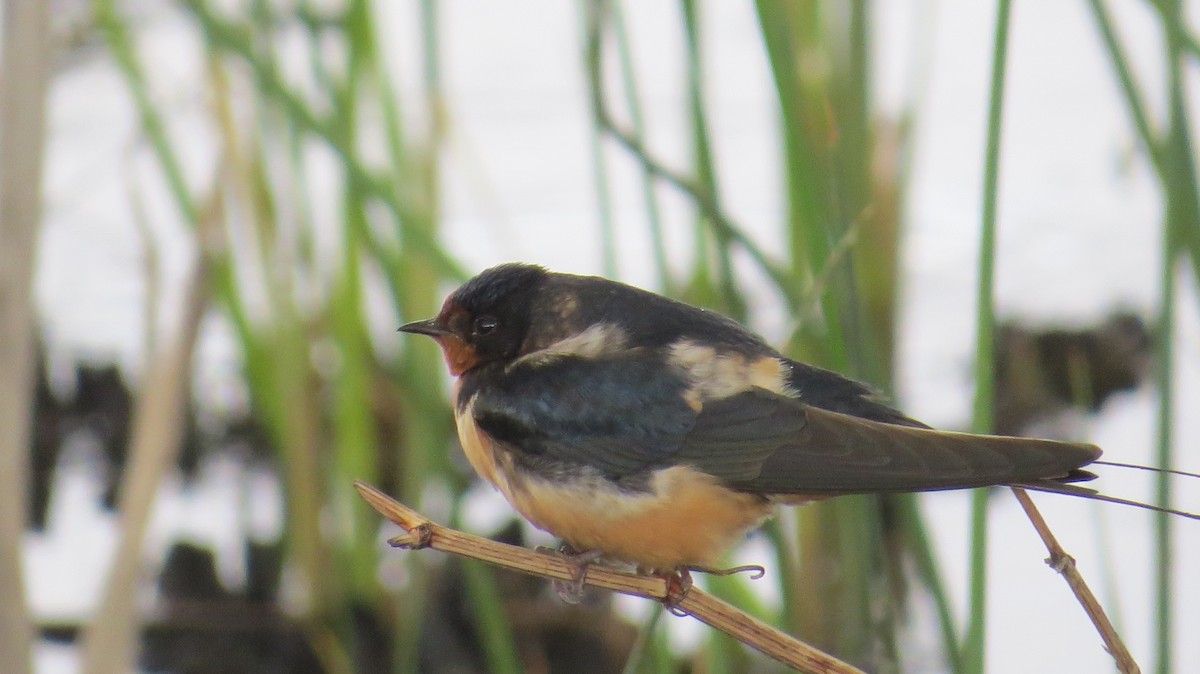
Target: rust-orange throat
460	356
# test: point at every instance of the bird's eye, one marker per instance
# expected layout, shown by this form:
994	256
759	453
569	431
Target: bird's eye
483	325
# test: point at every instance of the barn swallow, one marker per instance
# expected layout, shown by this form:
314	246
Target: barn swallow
660	434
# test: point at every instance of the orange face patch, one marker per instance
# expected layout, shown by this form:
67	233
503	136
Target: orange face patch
459	355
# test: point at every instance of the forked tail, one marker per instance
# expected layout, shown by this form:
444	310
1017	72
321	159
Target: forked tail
1054	487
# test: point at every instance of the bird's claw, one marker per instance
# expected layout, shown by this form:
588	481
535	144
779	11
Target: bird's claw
571	590
679	583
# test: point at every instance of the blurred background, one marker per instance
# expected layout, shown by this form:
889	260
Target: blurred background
214	214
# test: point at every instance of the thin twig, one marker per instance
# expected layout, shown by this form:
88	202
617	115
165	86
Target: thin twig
422	533
1063	563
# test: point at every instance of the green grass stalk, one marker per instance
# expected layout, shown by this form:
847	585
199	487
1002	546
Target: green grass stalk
645	654
974	644
1156	148
1183	208
233	39
658	244
593	31
499	646
828	154
724	293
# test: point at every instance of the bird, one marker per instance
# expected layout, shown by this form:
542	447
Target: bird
644	430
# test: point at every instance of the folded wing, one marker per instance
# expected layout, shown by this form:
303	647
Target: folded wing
629	416
762	442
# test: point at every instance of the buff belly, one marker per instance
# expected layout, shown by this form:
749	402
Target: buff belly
686	517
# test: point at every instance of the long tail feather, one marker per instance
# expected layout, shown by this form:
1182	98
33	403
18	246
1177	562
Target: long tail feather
1084	492
1152	469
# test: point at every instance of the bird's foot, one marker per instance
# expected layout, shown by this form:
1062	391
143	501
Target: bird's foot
679	583
571	590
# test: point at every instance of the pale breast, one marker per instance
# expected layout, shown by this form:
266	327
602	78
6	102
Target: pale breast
476	445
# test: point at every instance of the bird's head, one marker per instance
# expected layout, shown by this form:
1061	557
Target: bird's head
486	319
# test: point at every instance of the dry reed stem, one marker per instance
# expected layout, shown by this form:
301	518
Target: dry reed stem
23	82
1064	563
109	643
421	533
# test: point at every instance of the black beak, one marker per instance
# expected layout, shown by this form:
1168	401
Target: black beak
427	327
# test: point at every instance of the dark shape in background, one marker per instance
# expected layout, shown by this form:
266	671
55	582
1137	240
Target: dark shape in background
1042	373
